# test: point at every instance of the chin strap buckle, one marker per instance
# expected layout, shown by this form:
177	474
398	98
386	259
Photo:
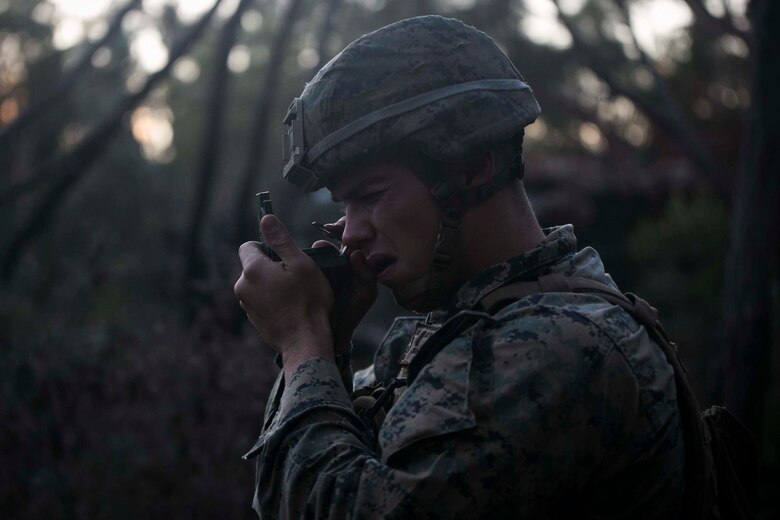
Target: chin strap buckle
447	241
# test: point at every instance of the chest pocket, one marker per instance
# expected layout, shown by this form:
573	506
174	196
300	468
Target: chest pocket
436	403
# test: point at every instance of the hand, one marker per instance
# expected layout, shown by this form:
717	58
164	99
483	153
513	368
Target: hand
360	297
288	302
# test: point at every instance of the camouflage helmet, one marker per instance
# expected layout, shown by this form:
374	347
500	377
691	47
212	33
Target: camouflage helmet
429	83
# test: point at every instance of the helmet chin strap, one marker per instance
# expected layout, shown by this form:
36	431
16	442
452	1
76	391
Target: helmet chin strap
434	288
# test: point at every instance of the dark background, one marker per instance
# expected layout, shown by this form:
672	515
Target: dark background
130	382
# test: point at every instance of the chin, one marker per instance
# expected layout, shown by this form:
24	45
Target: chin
419	296
416	301
414	304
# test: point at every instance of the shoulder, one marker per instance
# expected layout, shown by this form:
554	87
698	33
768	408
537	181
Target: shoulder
584	349
565	316
568	335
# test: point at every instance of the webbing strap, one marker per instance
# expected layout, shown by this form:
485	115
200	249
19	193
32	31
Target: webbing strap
455	199
557	282
407	105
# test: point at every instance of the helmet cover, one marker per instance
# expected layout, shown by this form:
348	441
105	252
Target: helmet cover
429	83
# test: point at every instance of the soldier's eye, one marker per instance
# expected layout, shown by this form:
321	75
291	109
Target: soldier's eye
371	197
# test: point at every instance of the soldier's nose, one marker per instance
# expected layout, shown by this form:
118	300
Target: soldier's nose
357	232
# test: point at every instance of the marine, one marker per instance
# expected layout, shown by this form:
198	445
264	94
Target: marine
488	403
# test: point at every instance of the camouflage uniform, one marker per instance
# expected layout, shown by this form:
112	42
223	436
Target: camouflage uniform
557	404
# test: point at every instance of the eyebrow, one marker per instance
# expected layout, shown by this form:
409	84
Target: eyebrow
359	186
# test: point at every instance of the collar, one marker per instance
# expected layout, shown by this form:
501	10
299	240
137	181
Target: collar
559	244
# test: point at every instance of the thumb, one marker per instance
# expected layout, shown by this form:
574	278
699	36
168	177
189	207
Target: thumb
277	236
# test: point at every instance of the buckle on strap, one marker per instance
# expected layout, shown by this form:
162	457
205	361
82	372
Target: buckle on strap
444	191
302	177
446	241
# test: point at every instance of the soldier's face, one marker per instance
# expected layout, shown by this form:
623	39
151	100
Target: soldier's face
391	217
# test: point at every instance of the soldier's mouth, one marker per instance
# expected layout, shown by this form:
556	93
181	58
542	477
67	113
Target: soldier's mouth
381	265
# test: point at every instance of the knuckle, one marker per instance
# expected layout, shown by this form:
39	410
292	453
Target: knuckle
238	287
252	272
246	249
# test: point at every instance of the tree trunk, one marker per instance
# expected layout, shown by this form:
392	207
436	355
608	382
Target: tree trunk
264	109
210	149
752	265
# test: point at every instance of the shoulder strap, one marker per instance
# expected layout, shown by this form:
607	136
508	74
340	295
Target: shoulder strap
699	464
557	282
442	338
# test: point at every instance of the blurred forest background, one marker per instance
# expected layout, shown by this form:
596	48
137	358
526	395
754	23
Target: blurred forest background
133	135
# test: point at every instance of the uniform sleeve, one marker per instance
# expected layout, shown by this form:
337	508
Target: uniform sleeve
319	460
271	414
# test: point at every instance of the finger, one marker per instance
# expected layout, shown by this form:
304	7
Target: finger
324	243
337	227
277	236
241	290
339	222
238	289
248	253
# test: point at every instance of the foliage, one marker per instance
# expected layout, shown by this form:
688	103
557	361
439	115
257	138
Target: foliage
679	254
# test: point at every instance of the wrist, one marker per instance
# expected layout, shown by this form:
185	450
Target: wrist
292	359
313	334
311	340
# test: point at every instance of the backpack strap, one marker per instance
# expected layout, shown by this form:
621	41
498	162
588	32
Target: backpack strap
700	483
558	282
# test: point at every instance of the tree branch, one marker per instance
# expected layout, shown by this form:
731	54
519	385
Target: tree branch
33	111
68	170
666	114
719	26
672	109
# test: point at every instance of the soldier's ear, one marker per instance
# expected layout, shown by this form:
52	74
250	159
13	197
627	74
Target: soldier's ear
473	171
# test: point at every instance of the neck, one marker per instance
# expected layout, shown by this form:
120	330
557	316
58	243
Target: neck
498	229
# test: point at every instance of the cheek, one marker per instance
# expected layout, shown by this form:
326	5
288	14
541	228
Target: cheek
417	226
